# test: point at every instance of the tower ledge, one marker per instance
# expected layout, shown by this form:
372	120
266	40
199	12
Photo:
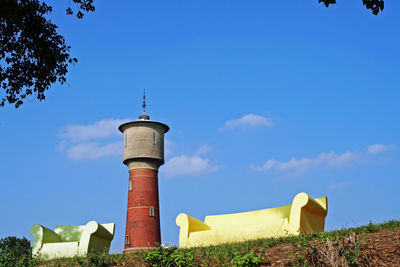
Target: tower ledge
126	125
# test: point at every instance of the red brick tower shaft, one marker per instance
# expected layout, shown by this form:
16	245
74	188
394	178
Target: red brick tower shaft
143	216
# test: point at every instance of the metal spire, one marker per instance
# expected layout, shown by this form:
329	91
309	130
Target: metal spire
144	105
144	101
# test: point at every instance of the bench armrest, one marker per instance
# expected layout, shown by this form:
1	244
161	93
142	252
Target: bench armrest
42	235
94	228
308	214
188	225
96	237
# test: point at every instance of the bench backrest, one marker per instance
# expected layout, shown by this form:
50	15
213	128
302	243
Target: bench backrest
70	233
258	217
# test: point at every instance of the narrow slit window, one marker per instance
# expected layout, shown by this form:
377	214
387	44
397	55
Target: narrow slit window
127	240
126	140
151	212
154	138
130	185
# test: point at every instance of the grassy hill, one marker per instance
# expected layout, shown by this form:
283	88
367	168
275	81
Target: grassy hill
369	245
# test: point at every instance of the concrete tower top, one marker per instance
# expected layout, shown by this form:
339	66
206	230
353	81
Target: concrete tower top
145	123
143	142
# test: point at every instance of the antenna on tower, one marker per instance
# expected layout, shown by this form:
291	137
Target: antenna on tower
144	105
144	101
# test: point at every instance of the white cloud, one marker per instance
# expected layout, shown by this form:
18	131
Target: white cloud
379	148
98	130
340	185
77	140
185	165
249	120
296	166
203	150
93	150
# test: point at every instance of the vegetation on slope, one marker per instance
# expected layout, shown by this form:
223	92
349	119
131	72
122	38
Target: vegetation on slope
372	244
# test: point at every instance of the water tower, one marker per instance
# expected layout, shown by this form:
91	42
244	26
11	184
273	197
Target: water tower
143	154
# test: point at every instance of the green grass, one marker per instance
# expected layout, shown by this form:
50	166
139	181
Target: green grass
225	252
91	260
249	253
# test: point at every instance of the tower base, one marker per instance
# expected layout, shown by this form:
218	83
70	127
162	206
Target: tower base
134	250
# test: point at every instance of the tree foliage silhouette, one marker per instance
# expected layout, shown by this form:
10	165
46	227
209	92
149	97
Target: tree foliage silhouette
374	5
33	56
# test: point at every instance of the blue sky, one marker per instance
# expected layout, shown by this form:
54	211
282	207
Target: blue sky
265	99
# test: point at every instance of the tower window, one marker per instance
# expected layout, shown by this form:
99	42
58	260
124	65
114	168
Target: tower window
127	240
154	138
126	140
130	185
151	212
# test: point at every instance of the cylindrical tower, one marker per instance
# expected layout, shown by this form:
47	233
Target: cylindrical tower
143	154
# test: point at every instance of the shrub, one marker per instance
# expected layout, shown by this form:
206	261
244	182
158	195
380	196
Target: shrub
165	257
334	251
247	260
15	252
158	257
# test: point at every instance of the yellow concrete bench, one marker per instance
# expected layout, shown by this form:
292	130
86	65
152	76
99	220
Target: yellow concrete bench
304	215
70	241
